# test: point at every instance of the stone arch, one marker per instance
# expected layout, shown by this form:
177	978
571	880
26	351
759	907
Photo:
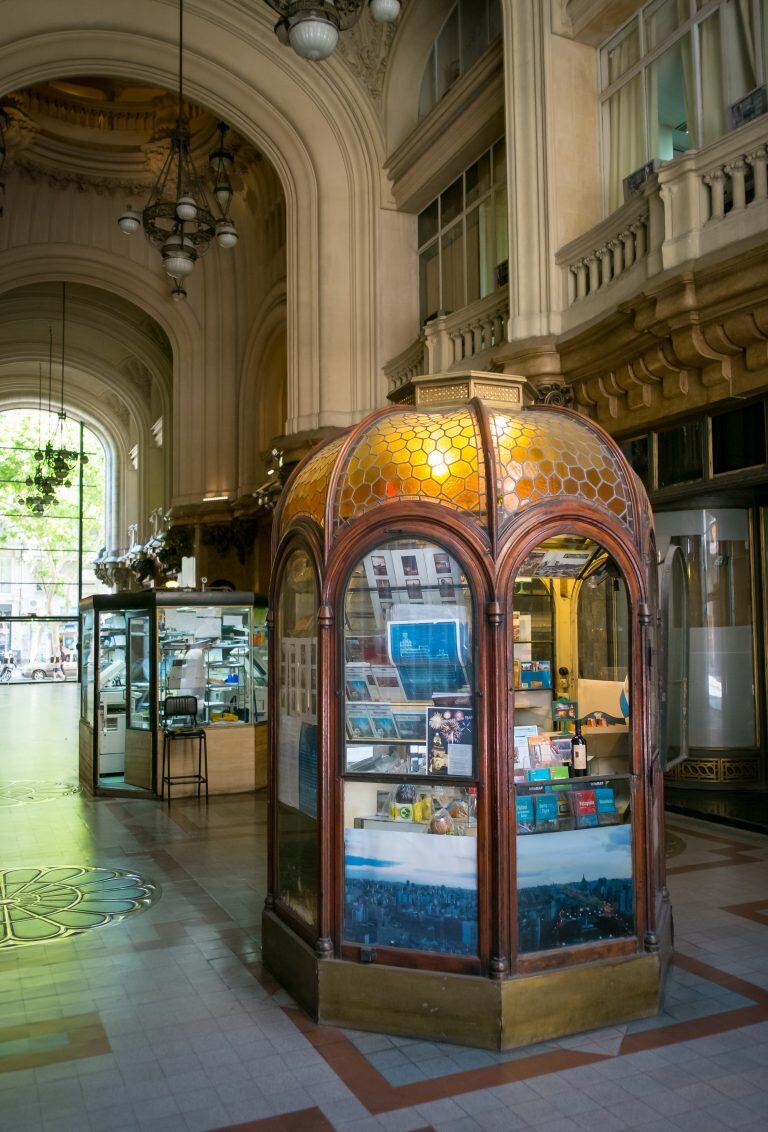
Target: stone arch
259	376
320	135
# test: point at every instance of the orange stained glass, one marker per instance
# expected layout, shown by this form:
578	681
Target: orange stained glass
308	492
415	455
543	454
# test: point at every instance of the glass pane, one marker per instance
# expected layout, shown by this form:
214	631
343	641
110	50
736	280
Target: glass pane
205	651
742	47
427	94
138	670
447	48
675	678
474	31
428	223
622	54
452	268
672	101
429	281
86	653
451	202
297	849
662	19
571	737
574	863
260	665
38	650
625	136
637	452
494	19
680	454
478	179
721	678
410	863
500	163
408	663
738	439
501	238
480	252
712	92
570	656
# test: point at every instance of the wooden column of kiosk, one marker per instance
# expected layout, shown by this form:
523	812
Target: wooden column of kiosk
463	584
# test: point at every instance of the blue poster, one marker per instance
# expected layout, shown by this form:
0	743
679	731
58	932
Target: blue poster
428	657
308	769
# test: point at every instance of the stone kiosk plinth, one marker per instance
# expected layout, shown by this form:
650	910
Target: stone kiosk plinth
464	590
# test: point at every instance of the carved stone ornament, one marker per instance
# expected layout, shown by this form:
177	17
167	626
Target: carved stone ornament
366	47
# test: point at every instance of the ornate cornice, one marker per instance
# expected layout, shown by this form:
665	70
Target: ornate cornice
366	48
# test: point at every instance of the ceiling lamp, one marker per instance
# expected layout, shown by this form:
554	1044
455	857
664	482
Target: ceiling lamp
179	219
312	27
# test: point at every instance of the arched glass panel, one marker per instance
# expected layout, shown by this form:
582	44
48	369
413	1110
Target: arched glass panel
297	834
469	28
410	796
570	649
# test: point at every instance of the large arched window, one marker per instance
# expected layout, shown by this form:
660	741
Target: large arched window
46	558
471	26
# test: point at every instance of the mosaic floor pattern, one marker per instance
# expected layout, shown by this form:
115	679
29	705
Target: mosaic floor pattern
42	904
21	791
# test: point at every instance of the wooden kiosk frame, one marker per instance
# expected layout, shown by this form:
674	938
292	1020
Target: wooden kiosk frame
531	473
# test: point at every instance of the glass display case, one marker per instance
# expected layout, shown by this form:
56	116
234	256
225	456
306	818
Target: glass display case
147	646
464	780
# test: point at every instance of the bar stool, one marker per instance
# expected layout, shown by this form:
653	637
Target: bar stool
176	707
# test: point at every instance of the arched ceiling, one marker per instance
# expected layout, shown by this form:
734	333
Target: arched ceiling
107	133
115	354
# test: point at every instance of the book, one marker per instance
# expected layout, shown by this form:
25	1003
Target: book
584	808
538	774
524	813
535	674
546	806
605	800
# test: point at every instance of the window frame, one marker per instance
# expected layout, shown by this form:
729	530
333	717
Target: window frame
647	57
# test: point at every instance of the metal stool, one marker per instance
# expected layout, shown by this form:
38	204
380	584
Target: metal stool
176	707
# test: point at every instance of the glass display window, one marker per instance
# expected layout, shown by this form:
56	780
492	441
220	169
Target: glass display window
87	676
260	665
408	664
205	651
572	744
297	827
138	665
410	866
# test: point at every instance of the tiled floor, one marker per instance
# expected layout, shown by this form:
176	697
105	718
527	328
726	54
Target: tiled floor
165	1020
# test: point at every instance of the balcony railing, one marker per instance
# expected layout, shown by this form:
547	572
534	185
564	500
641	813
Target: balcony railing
696	205
466	335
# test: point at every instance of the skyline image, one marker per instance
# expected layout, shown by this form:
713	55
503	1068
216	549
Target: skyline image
418	858
569	855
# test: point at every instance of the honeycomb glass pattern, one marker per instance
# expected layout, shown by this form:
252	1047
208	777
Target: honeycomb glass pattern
308	491
544	454
433	456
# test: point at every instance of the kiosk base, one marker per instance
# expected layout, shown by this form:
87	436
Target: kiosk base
466	1009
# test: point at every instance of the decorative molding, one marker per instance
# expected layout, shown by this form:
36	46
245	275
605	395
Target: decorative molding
366	47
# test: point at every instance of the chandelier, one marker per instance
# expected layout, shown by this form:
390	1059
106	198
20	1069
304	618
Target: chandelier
311	27
179	219
54	461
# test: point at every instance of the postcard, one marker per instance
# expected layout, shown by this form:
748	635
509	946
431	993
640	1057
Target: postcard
411	725
382	723
358	724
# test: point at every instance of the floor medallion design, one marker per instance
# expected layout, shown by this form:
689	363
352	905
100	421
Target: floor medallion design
16	793
38	905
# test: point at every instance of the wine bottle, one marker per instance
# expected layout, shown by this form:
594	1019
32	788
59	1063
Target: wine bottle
578	754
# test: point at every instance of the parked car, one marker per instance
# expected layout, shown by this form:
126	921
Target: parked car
51	668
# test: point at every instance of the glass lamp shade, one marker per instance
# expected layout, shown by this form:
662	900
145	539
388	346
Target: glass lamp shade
226	234
223	194
385	11
129	221
313	38
186	208
179	263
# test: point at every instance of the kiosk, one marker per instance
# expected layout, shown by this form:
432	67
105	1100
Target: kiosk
140	648
463	584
